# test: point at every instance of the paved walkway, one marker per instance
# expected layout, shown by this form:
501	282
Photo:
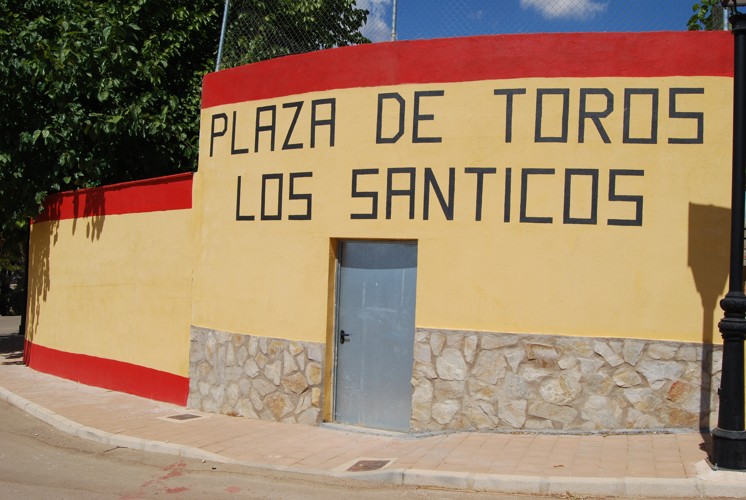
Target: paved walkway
649	465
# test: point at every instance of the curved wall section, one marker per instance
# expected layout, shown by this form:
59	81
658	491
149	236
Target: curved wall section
110	287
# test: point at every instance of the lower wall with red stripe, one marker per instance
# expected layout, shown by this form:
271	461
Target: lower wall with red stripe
110	287
108	373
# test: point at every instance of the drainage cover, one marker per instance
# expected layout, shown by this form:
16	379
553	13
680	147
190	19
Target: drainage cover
368	465
184	416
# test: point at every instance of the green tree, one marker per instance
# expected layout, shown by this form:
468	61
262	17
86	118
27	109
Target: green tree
264	29
96	92
708	15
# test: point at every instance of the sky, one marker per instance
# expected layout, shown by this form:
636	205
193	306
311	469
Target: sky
447	18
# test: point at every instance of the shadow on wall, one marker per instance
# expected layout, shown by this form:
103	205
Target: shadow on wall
87	203
708	255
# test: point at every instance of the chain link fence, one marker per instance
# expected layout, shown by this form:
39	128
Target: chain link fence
254	30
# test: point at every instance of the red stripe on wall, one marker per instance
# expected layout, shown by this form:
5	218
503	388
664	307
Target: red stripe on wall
173	192
108	373
582	55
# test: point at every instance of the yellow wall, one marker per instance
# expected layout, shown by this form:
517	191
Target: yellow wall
660	279
115	286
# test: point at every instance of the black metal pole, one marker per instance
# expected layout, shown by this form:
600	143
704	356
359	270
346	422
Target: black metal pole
729	437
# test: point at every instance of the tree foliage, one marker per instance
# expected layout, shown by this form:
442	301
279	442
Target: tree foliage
264	29
97	92
708	15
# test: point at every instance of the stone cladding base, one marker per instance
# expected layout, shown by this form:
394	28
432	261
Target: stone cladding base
464	380
257	377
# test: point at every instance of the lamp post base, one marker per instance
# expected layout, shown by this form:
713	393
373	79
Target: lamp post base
728	449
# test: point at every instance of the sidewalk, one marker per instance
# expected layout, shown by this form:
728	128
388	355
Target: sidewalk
649	465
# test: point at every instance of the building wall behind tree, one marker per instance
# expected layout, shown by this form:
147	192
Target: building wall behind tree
110	287
557	186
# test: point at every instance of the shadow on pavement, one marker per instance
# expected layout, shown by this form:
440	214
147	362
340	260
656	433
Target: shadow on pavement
11	349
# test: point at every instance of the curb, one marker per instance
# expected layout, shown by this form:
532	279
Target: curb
76	429
708	484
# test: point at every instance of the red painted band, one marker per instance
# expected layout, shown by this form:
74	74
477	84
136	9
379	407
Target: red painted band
575	55
173	192
108	373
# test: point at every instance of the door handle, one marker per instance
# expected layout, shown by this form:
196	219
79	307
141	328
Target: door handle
343	337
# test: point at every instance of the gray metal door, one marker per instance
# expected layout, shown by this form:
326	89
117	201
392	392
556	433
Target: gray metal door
375	334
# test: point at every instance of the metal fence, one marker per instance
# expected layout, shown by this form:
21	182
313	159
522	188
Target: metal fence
255	30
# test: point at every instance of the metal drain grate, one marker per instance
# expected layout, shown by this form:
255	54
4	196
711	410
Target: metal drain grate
184	416
368	465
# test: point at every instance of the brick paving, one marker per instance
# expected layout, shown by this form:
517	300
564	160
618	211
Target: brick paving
315	449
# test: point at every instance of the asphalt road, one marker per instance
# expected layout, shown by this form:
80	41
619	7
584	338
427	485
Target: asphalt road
39	462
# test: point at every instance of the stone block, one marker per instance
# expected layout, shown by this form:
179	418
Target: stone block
606	352
242	354
295	382
543	355
279	404
514	356
448	389
455	340
480	390
294	348
480	415
658	373
627	377
232	394
233	373
589	366
513	412
643	399
688	353
421	370
444	411
450	365
301	361
603	412
470	347
562	390
555	413
245	409
575	346
288	363
313	373
422	353
309	417
660	350
253	346
255	397
437	341
632	351
567	362
514	387
250	368
304	402
273	371
491	341
262	386
598	383
315	352
489	367
263	344
275	348
230	355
